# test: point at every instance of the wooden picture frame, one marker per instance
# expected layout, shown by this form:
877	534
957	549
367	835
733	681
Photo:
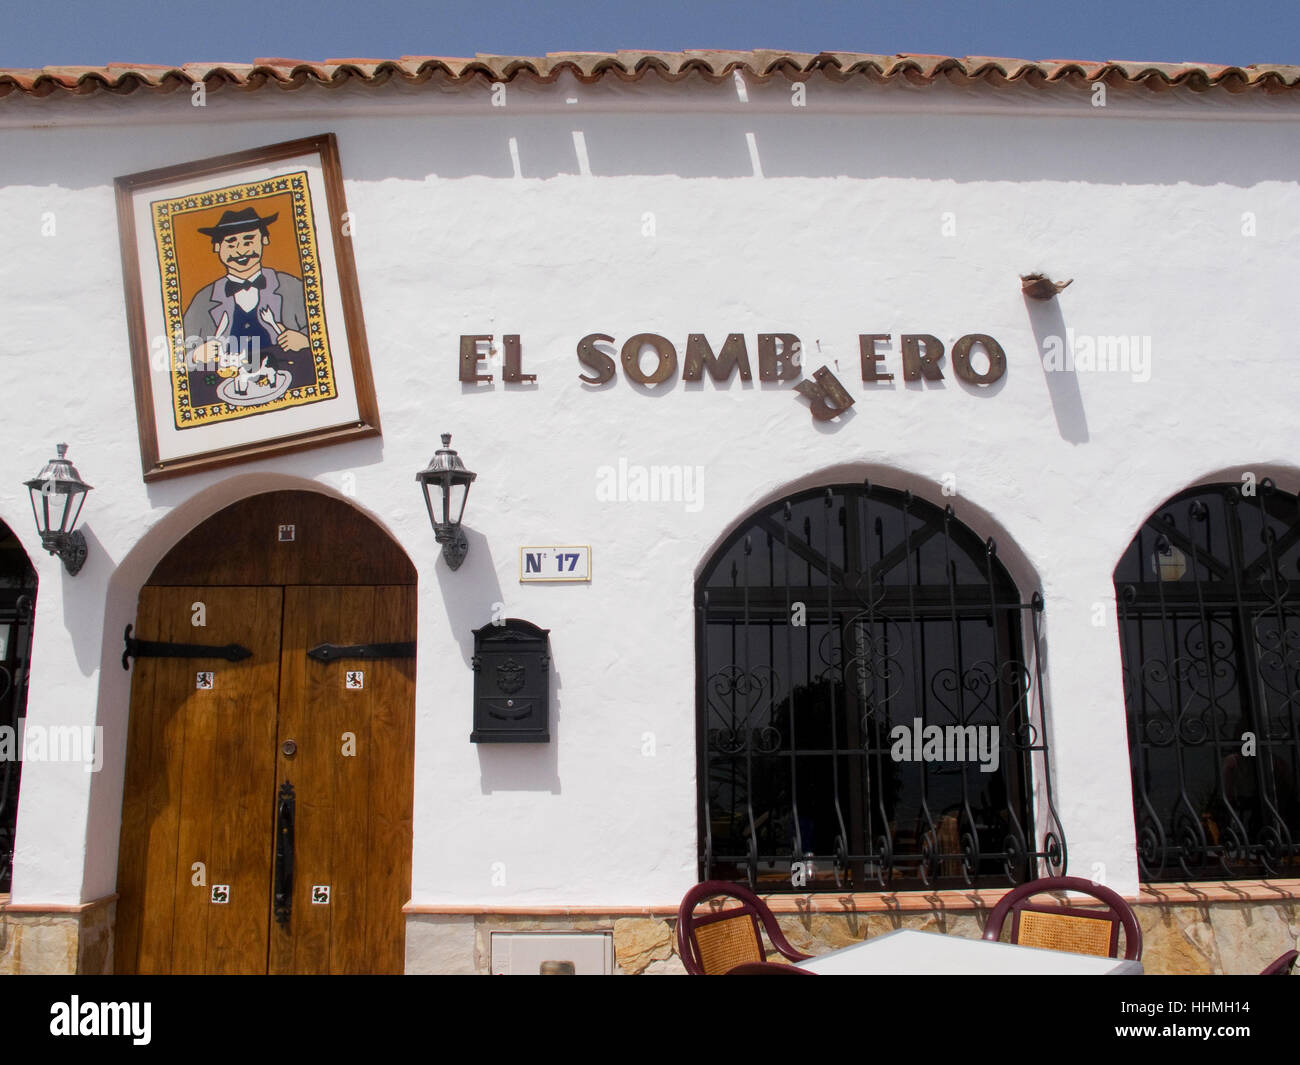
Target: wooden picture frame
246	332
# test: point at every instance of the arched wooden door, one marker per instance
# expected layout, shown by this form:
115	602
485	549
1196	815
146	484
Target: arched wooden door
266	820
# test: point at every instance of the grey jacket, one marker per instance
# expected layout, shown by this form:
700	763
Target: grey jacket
283	294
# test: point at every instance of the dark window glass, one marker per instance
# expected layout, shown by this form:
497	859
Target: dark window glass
867	714
1209	623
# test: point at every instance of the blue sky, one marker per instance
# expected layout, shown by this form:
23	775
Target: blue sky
83	32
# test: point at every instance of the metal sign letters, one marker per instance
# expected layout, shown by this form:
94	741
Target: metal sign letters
650	360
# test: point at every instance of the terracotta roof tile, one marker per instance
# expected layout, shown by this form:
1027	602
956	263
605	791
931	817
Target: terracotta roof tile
632	65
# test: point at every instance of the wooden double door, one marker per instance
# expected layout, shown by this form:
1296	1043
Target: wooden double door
266	821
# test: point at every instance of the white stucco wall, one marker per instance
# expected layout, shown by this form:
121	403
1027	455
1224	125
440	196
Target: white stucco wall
1141	202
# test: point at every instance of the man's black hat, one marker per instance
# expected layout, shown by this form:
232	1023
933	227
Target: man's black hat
237	222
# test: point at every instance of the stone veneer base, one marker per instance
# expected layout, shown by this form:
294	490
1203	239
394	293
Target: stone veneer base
1186	928
57	939
1229	928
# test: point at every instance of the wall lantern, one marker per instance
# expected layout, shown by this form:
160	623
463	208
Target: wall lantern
58	493
447	475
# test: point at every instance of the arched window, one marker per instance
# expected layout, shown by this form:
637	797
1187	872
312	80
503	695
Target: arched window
1209	623
867	715
17	605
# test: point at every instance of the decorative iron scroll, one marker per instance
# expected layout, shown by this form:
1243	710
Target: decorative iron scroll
868	715
1210	635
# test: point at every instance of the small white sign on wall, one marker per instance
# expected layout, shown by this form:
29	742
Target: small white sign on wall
550	564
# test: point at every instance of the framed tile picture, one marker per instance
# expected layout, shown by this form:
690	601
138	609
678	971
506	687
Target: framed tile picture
246	331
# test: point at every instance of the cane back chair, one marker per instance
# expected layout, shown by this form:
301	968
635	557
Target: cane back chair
1068	928
715	942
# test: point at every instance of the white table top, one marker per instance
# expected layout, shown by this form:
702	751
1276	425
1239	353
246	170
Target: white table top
908	952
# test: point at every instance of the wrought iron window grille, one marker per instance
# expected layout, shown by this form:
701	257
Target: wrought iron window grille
825	624
17	602
1209	624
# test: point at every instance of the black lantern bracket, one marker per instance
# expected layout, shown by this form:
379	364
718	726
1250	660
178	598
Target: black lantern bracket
454	547
70	547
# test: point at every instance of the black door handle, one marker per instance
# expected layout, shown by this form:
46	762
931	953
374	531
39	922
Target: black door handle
284	854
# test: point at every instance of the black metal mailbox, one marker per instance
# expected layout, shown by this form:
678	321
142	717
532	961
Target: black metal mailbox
512	683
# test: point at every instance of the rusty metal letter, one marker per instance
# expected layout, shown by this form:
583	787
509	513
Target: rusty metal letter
961	359
513	369
827	396
699	356
470	357
598	361
776	365
632	359
867	345
921	356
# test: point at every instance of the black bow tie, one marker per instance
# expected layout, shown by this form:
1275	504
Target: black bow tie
239	286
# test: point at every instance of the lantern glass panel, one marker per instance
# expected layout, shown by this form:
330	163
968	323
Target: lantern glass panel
456	496
75	502
432	500
63	507
39	510
59	501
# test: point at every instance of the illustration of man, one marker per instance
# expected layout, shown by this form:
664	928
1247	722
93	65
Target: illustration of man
252	319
